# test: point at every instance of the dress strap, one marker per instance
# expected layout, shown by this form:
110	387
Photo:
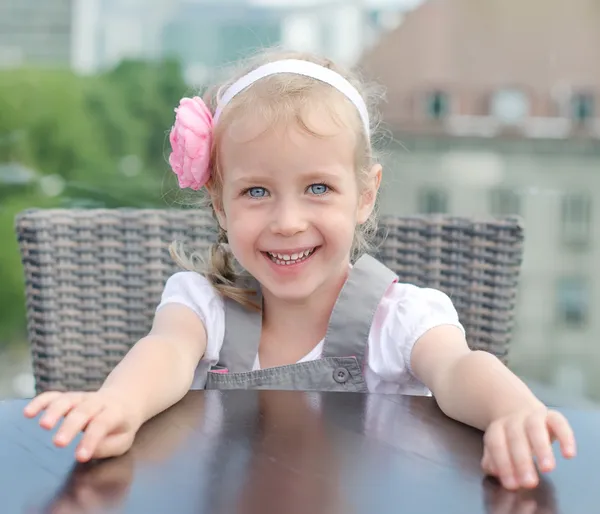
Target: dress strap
243	328
352	316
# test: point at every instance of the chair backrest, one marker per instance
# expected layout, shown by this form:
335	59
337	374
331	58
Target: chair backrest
477	262
94	278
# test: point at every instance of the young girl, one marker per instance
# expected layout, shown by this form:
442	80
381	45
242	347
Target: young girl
284	153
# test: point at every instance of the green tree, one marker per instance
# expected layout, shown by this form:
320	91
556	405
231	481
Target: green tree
104	136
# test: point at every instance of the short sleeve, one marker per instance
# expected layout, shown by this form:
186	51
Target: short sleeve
405	313
196	292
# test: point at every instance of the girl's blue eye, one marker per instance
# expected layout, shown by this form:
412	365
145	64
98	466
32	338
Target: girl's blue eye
318	189
257	192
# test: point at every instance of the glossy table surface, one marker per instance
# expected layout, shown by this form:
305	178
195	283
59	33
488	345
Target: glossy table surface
269	452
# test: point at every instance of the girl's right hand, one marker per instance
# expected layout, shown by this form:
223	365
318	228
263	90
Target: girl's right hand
108	423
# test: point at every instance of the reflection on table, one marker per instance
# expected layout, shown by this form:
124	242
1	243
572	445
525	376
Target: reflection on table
267	452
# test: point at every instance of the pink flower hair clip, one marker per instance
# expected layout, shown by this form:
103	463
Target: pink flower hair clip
191	139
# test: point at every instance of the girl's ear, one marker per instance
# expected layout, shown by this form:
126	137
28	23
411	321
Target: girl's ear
368	195
217	204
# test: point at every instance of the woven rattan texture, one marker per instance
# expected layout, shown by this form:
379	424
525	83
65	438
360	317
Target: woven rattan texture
94	277
476	262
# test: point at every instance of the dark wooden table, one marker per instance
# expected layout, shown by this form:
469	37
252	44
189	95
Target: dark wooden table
269	452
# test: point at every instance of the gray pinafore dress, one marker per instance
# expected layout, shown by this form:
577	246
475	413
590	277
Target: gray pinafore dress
340	367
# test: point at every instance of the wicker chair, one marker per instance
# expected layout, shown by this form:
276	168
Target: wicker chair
94	277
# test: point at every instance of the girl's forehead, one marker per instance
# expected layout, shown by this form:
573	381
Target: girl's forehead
311	140
289	153
310	133
252	127
293	137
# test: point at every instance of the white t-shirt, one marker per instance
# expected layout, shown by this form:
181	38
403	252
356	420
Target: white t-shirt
404	314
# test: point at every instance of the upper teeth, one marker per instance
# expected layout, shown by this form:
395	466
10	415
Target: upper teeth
291	256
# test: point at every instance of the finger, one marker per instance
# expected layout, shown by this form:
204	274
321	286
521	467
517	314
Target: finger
560	428
487	464
98	428
520	454
76	421
59	408
114	445
40	402
539	440
495	440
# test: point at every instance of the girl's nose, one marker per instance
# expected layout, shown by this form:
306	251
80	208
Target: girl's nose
289	220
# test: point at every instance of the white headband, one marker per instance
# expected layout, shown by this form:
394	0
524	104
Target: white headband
299	67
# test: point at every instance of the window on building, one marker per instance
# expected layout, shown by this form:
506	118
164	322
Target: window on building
582	107
576	218
572	301
438	104
510	106
504	202
433	201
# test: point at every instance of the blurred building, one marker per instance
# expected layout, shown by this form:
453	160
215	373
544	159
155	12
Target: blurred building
206	37
494	108
35	32
91	35
208	34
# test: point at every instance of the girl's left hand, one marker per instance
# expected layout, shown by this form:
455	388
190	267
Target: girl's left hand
512	442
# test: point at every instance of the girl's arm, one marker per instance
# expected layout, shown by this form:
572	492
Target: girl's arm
475	388
159	369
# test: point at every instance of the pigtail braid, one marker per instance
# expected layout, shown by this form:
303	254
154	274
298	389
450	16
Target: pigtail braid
219	268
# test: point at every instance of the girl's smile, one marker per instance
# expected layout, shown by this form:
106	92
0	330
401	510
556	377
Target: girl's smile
290	262
289	258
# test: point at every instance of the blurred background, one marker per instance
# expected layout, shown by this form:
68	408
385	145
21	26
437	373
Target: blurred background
493	107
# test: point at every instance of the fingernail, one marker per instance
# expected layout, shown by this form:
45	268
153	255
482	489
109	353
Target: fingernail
510	482
83	454
529	478
547	463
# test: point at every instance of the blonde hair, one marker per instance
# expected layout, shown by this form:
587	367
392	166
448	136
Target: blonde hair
277	97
